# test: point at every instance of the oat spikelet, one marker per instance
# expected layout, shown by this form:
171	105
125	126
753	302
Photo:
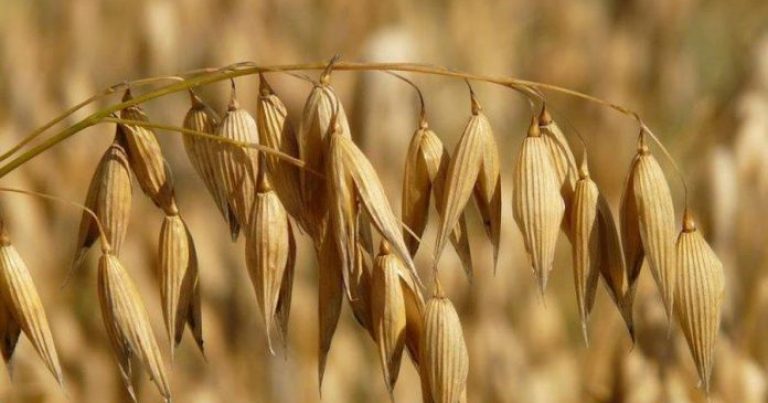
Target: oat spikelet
388	313
179	282
351	178
22	308
9	336
202	155
236	166
330	295
267	251
656	217
321	108
276	132
426	166
359	296
700	293
563	161
474	168
286	291
127	323
146	158
631	241
536	203
443	351
586	244
109	196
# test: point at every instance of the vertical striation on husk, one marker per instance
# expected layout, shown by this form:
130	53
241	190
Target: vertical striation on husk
563	161
109	197
537	205
700	290
330	295
127	323
22	308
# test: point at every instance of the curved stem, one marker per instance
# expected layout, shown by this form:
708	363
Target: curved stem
207	76
671	161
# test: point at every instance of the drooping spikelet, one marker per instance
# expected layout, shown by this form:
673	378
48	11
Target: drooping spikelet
330	296
536	203
22	309
388	313
648	216
202	155
426	166
179	282
563	161
474	168
700	293
267	250
127	324
276	132
109	196
146	157
444	358
236	166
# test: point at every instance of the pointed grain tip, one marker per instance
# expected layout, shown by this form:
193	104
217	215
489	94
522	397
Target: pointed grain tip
533	129
689	225
544	117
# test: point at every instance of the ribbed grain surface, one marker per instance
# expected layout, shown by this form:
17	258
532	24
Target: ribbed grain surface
24	308
700	293
537	205
388	313
565	166
586	247
443	351
109	196
629	219
127	323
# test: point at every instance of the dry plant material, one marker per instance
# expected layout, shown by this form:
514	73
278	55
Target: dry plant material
351	178
563	161
700	293
444	355
127	324
359	296
286	291
586	244
236	165
202	154
474	168
268	252
330	295
426	166
536	203
22	309
146	158
179	282
648	224
321	109
276	132
109	197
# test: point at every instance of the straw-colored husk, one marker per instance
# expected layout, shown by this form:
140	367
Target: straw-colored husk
700	293
179	282
202	155
536	203
563	161
473	168
426	166
109	197
146	158
22	308
9	336
443	351
330	295
127	323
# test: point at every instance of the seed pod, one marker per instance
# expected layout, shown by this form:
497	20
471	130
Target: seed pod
426	166
286	291
202	155
563	161
359	297
629	218
536	203
22	308
9	336
586	244
179	283
267	250
322	107
109	197
388	313
443	351
277	133
146	158
700	293
236	165
330	294
350	177
128	327
474	167
656	221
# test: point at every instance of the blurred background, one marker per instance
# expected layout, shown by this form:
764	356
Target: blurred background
696	70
